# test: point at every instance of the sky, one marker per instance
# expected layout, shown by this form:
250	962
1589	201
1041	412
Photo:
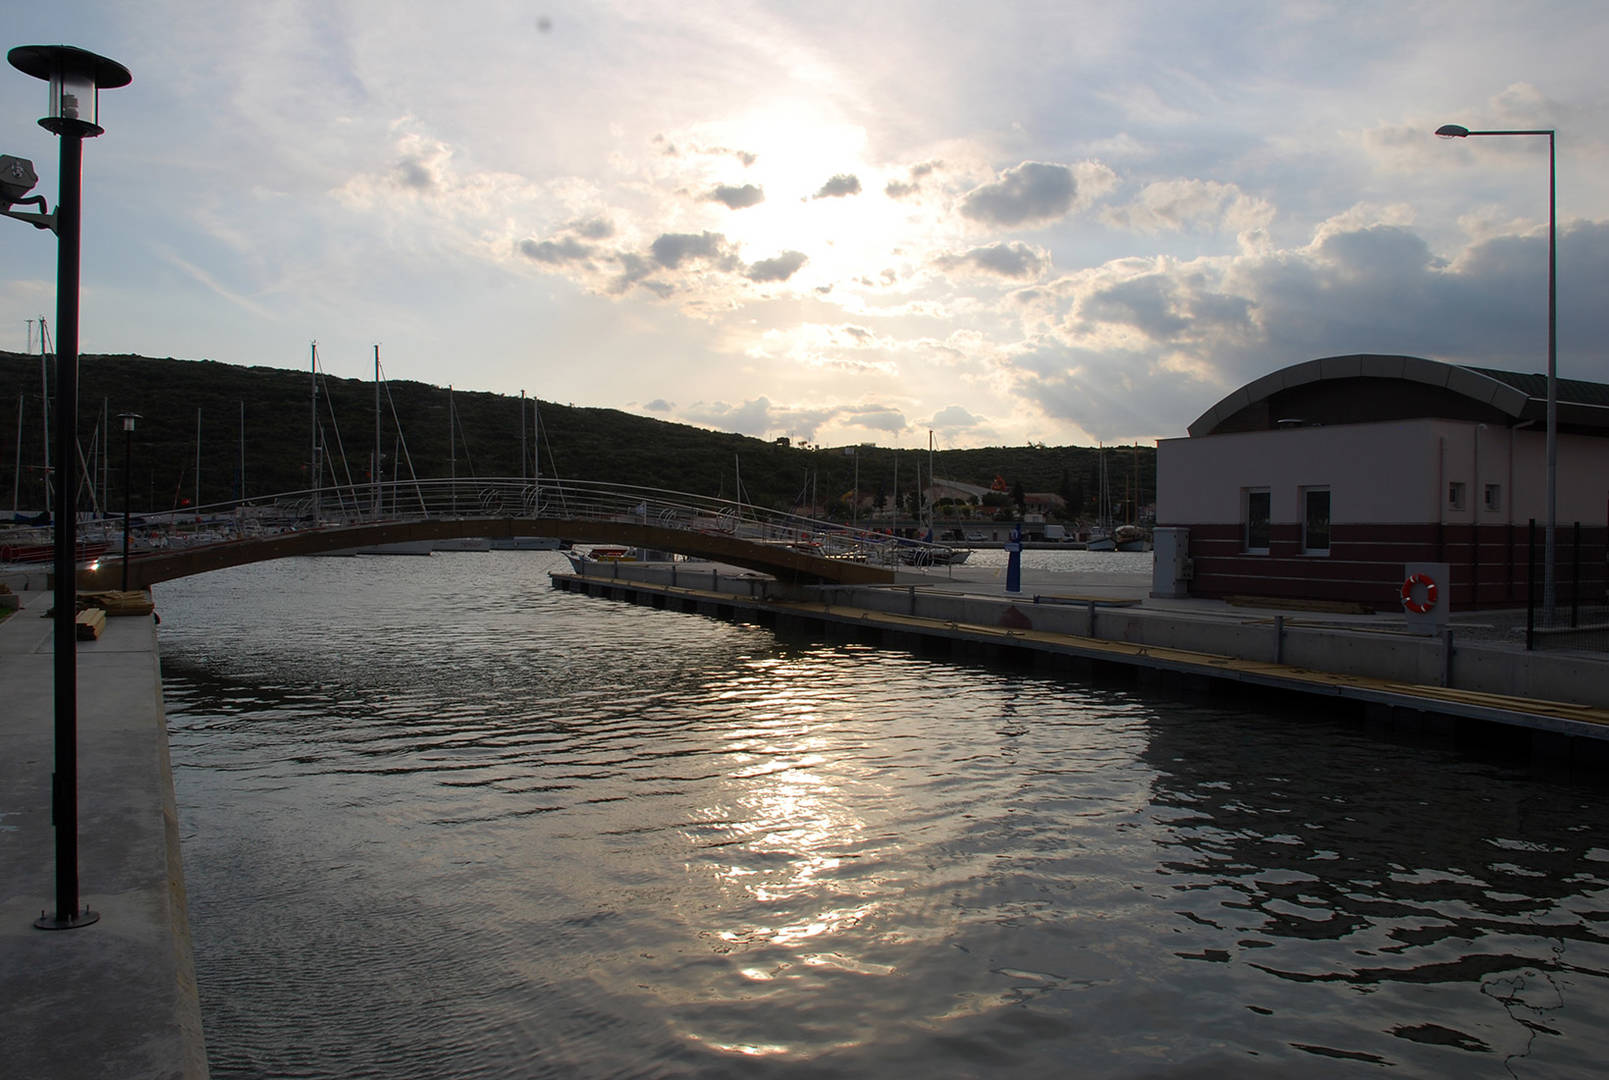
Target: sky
1002	223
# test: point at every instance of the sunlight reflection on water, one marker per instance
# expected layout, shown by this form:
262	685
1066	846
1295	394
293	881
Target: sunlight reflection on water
442	821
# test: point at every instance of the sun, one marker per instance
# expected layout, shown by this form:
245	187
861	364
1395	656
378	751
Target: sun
823	192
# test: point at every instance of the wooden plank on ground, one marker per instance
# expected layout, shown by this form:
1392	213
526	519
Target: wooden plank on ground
90	622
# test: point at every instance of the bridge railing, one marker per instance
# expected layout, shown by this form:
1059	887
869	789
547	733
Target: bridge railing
419	500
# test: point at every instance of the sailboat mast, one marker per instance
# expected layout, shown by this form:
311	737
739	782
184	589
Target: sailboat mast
452	447
376	470
198	464
932	506
105	454
242	491
522	437
313	477
16	480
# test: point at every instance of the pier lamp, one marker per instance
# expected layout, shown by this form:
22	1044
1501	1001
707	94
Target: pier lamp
76	78
1549	593
128	419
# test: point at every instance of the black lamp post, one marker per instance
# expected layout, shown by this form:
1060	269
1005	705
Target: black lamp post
1549	594
76	78
128	419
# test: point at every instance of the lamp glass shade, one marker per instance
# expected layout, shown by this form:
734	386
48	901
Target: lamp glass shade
73	97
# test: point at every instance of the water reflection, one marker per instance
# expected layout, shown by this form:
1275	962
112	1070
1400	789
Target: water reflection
1404	875
525	833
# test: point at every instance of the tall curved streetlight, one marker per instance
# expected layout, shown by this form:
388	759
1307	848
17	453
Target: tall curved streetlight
1457	131
76	78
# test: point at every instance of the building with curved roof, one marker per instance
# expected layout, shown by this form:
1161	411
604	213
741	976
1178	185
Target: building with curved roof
1323	480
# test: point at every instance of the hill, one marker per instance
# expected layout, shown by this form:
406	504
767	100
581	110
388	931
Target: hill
264	418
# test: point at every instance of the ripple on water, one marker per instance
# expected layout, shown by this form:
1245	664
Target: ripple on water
449	823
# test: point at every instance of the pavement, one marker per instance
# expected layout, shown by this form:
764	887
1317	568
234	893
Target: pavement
116	998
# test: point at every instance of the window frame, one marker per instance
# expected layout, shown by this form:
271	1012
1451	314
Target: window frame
1303	495
1247	523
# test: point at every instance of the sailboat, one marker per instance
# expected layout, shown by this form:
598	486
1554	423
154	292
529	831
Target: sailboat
1100	537
929	553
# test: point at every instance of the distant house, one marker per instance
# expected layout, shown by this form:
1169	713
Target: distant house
1321	480
1044	502
941	488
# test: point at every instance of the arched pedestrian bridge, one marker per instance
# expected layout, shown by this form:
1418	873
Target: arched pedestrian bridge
796	550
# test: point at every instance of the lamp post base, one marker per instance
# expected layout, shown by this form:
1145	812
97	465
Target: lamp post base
52	922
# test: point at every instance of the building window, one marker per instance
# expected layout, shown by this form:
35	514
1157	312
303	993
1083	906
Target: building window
1493	498
1258	507
1455	495
1316	521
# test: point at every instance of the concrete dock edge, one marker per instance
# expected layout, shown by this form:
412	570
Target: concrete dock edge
117	998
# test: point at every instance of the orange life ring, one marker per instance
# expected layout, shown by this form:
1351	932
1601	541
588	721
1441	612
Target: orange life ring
1416	606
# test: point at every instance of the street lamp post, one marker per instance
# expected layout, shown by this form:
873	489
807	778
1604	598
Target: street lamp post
76	78
1549	579
128	419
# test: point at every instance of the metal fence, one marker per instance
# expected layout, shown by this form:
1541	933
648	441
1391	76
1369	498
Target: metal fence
1579	616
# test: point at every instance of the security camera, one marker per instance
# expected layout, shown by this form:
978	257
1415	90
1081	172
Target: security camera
17	178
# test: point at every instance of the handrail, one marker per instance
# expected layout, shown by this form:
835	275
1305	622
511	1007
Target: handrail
506	498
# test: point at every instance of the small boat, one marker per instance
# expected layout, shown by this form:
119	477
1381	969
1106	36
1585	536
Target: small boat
1131	538
527	543
463	543
936	555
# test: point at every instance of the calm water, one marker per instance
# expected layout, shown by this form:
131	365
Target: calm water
441	821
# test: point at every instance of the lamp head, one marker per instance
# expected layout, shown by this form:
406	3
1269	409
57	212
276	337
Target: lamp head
128	419
76	77
1452	131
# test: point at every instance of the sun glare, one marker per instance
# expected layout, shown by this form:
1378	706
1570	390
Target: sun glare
823	195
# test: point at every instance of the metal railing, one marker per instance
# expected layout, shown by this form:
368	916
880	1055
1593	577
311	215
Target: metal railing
497	498
1580	615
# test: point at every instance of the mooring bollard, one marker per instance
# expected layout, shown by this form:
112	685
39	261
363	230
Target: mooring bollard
1279	639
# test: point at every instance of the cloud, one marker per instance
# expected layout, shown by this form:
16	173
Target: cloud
670	250
556	252
411	172
904	189
1178	205
737	198
1014	260
593	228
1032	192
953	419
839	186
659	405
780	268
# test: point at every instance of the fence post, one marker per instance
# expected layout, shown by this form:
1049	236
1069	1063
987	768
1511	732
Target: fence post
1575	577
1530	590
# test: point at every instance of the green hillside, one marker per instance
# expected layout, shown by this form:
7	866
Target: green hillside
267	414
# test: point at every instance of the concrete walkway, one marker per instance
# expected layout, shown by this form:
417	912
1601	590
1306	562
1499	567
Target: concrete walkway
117	998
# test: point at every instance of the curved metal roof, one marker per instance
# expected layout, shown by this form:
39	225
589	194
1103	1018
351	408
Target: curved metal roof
1583	406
